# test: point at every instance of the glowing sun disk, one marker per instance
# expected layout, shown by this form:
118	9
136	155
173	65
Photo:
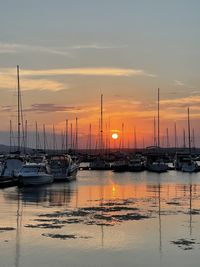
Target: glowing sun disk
115	136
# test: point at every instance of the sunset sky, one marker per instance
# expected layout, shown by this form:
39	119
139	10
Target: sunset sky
71	52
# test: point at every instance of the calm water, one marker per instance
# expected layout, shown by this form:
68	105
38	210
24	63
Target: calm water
103	219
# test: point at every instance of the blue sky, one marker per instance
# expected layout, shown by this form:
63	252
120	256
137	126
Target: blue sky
123	49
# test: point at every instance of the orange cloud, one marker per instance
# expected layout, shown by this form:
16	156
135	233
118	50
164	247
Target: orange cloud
10	82
101	71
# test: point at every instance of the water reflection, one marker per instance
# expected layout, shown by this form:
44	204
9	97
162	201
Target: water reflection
146	215
180	195
159	216
19	216
58	194
190	209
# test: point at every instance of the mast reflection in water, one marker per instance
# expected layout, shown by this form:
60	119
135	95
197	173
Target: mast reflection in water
149	218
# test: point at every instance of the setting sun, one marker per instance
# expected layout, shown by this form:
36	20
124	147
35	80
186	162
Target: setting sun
115	136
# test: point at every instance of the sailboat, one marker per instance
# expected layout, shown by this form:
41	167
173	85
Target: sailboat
99	163
189	165
13	163
159	165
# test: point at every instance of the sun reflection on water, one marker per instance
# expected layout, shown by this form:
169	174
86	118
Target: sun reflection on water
104	211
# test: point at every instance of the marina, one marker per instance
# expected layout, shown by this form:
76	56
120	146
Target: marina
99	133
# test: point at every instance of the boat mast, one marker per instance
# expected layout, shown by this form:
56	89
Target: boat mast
135	139
25	136
44	138
109	135
101	125
106	139
167	133
36	137
193	138
184	143
18	110
66	136
99	136
90	138
189	138
122	136
76	136
158	117
54	139
71	133
154	131
10	136
62	141
175	137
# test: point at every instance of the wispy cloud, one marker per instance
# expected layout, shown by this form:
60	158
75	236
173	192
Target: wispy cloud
43	108
171	109
6	108
6	48
90	72
49	107
179	83
123	103
182	102
8	81
14	48
40	79
97	46
176	109
101	71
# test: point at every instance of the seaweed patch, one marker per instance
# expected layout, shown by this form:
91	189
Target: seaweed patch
63	236
44	225
4	229
185	244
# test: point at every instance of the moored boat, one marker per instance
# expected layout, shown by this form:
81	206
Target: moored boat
189	165
35	174
63	167
120	166
136	165
99	164
9	171
157	166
